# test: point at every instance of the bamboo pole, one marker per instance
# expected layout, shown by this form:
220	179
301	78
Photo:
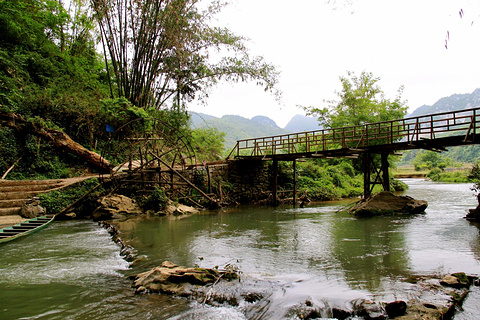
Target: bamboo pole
184	179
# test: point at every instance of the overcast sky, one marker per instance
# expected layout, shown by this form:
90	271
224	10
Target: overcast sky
314	42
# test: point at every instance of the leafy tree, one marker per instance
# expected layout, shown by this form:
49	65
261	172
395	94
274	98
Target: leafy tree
49	75
431	160
161	50
208	143
474	176
361	102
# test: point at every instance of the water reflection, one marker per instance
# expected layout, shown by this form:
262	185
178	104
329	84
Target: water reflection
371	249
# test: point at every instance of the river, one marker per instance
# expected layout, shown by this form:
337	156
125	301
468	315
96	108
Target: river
72	270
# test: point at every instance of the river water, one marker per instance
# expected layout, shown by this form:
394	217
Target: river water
72	270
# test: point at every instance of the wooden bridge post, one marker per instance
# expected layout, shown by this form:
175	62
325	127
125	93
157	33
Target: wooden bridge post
385	175
275	183
366	174
294	183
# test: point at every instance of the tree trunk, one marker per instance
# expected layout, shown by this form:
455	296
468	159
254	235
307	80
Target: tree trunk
57	138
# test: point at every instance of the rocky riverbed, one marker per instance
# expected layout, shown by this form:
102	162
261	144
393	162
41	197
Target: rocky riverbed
432	297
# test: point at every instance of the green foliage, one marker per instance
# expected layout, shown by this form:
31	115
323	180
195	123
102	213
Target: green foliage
398	185
49	70
474	176
56	200
156	200
361	102
430	160
170	44
434	174
9	149
38	160
119	111
208	144
323	181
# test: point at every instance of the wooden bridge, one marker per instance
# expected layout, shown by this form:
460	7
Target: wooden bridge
431	132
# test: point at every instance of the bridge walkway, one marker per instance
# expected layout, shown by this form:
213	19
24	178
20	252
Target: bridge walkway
431	132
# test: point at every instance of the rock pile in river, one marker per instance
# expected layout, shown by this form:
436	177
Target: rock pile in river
172	279
387	203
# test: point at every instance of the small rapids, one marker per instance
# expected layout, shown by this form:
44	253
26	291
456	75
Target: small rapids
314	257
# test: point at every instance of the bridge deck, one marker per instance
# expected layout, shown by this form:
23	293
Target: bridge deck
433	132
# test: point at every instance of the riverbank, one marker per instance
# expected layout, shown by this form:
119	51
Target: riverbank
11	220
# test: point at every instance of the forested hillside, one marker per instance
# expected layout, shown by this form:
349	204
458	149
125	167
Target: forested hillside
462	154
450	103
50	77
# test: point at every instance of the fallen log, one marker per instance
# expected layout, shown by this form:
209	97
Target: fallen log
57	138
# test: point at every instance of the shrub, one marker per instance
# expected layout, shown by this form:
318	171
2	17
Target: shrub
56	200
157	200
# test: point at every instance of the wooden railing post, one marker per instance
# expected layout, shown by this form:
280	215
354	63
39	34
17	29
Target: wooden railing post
474	124
366	175
432	134
275	181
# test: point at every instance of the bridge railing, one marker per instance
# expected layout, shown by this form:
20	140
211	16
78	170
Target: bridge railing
462	122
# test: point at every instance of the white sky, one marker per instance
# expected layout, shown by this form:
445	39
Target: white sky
314	42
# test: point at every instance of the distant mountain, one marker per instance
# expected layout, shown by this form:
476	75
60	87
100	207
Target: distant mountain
301	123
237	127
265	121
199	120
452	103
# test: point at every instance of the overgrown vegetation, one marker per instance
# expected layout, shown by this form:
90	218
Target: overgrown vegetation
56	200
52	74
322	180
435	165
157	200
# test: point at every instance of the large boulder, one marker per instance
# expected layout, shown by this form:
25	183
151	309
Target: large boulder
473	214
179	209
387	203
32	209
115	206
172	279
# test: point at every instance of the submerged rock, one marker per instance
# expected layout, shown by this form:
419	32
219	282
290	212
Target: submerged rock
396	309
172	279
387	203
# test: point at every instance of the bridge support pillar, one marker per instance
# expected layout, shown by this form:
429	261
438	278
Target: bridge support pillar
385	175
294	183
382	175
275	183
366	174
